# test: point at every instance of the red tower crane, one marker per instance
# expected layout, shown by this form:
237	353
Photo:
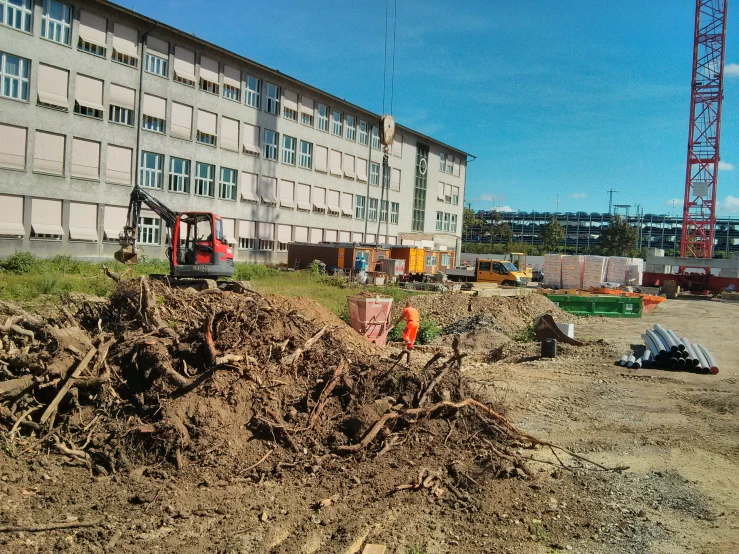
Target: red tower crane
701	178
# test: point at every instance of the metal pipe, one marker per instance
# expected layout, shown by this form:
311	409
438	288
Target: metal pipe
691	351
701	358
674	337
657	341
650	344
712	365
666	338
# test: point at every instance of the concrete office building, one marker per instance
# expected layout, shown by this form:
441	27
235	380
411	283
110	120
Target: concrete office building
94	97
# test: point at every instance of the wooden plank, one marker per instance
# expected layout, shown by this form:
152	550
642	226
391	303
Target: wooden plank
51	408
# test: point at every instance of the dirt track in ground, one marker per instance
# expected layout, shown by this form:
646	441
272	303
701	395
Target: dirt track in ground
678	433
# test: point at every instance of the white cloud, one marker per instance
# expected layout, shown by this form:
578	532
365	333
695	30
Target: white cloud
578	195
731	70
509	209
487	197
725	166
729	205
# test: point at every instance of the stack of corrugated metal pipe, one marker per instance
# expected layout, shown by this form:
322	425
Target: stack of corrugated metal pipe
665	350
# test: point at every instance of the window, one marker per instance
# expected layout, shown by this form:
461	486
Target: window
48	155
231	93
398	145
351	127
231	83
253	91
336	123
272	99
93	32
184	66
118	164
156	65
486	266
155	112
306	111
249	189
455	196
229	134
266	245
14	76
374	174
152	170
375	137
209	75
446	223
148	230
122	101
394	211
16	14
247	244
448	193
227	184
306	154
335	163
53	86
442	162
181	124
319	200
363	133
288	149
430	260
322	118
179	175
449	164
394	179
56	22
86	160
88	97
290	105
204	177
125	45
383	211
359	203
418	220
439	220
453	226
372	210
446	260
269	145
13	147
251	140
207	123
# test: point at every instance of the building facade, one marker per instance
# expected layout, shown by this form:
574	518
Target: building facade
95	98
583	230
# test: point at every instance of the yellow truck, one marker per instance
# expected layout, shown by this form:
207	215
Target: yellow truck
501	272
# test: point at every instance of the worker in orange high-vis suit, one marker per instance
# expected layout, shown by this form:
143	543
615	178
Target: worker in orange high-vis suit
412	322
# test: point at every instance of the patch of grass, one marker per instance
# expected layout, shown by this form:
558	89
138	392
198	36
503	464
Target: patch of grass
526	335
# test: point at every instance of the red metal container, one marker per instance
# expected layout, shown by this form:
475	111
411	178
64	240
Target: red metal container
371	317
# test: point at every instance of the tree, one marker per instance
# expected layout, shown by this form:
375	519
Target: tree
496	228
618	239
470	219
552	235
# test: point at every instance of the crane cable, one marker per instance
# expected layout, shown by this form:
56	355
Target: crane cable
384	69
392	78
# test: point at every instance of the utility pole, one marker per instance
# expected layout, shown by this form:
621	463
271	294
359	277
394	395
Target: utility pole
610	201
557	212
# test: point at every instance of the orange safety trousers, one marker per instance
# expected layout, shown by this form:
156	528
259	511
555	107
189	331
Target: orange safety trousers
409	334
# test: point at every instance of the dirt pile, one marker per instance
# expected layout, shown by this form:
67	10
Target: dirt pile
511	314
242	383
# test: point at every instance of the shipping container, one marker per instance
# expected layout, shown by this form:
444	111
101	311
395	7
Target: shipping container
415	258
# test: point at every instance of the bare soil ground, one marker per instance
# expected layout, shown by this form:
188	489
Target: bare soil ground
678	433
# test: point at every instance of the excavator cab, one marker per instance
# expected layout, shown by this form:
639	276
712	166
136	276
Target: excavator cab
199	248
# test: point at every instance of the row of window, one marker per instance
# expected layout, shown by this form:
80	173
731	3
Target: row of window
46	224
448	193
446	222
214	77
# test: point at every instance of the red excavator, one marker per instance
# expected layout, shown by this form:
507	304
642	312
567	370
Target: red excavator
198	252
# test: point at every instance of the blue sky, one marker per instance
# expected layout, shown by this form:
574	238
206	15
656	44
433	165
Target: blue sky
567	98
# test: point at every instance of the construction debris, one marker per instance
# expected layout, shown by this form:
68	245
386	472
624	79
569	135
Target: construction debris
665	350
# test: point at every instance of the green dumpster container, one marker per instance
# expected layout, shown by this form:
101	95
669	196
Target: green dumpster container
606	305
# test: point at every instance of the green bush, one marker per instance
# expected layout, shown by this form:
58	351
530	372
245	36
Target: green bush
49	283
19	262
253	272
427	332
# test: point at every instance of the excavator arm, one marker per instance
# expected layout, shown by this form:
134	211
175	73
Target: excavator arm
127	239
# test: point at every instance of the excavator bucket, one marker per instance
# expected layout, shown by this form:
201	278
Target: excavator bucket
127	255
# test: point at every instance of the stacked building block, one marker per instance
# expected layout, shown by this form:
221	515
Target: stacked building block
594	272
552	270
572	271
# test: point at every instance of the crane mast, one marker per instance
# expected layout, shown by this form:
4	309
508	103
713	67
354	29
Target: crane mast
699	210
